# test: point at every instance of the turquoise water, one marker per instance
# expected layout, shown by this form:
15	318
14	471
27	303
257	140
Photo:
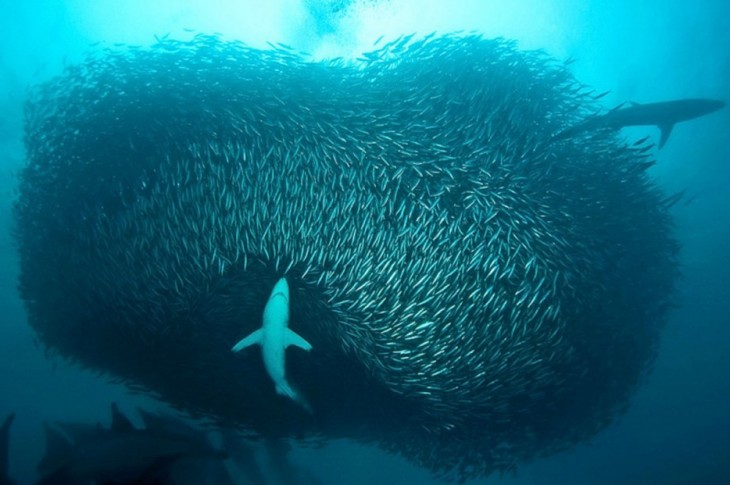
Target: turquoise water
676	428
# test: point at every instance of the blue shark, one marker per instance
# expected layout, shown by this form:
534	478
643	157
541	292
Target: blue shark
121	454
664	115
274	337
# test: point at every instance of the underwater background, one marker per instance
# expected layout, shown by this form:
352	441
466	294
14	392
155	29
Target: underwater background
677	428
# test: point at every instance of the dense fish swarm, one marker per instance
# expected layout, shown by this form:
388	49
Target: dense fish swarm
477	292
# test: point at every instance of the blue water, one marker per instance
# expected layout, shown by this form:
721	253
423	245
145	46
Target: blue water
677	429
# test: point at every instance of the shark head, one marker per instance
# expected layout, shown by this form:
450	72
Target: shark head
276	312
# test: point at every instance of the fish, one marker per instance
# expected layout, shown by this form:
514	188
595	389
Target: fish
274	337
664	114
120	454
4	447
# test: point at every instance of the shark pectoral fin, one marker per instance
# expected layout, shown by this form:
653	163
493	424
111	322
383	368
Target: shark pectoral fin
666	131
254	338
291	338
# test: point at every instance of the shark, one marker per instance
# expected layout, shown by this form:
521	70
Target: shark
118	455
274	337
4	445
664	114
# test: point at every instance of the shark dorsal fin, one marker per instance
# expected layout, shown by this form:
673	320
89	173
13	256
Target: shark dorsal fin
666	131
119	421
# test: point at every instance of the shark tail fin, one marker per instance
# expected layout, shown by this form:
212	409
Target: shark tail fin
284	389
666	131
253	338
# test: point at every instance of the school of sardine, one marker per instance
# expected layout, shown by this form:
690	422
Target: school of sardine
476	293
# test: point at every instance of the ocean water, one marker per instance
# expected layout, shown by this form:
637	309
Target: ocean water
676	428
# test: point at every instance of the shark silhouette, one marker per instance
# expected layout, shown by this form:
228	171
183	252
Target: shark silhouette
121	454
664	115
274	337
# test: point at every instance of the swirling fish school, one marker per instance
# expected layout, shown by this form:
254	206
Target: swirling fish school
475	291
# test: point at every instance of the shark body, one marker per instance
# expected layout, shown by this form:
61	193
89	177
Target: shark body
83	454
274	337
664	115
